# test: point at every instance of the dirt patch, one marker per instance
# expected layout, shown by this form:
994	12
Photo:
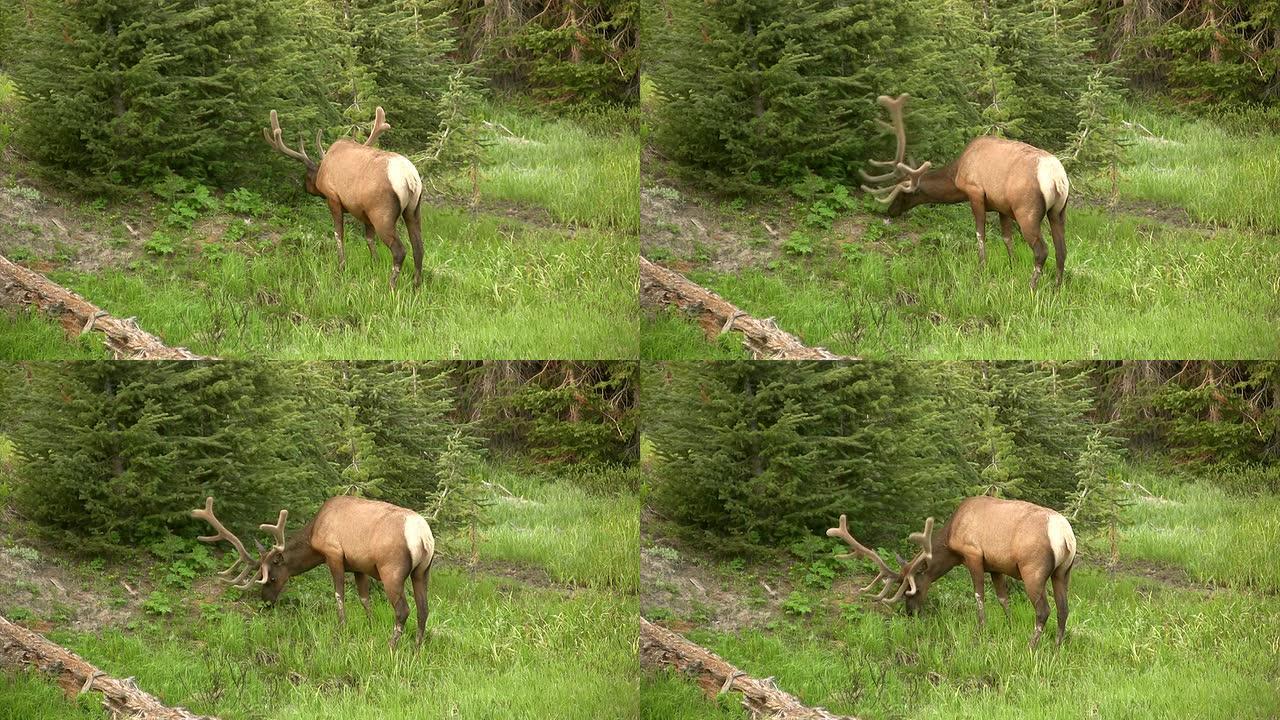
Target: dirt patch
45	228
531	575
1169	575
40	592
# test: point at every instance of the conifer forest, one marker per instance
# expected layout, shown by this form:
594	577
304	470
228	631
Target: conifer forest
639	359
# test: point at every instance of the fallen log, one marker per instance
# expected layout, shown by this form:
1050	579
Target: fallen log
763	338
24	287
659	648
20	648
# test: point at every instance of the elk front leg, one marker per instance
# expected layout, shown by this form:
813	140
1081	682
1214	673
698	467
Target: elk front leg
1006	230
362	589
974	564
394	586
1002	592
335	209
339	587
978	204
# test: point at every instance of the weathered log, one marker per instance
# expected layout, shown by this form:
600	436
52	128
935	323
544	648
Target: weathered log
20	648
659	647
24	287
660	286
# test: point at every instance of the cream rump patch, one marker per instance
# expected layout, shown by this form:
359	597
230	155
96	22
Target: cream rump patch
419	540
405	181
1062	540
1054	186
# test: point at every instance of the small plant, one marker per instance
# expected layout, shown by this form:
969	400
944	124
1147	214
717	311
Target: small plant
161	243
20	552
666	193
27	193
160	603
798	243
664	552
244	201
798	603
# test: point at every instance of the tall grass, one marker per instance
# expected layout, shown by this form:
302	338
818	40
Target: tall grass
1220	175
25	335
1136	647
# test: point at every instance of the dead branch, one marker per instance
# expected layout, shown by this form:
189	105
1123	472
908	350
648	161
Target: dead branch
22	287
20	648
763	338
659	648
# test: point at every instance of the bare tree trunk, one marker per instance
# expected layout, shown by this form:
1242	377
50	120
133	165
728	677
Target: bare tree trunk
20	648
765	340
659	648
20	286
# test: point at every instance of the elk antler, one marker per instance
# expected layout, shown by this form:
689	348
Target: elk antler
925	541
885	573
273	137
379	124
245	577
898	168
277	529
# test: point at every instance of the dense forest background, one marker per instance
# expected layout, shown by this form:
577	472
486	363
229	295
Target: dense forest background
753	456
116	93
106	457
767	92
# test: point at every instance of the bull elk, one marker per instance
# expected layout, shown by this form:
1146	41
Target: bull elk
368	538
377	187
1016	180
987	535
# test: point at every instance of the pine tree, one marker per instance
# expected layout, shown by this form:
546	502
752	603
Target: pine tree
1098	499
460	501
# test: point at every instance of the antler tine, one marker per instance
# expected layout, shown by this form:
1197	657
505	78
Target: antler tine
894	106
843	533
207	515
320	141
278	529
274	137
925	541
379	124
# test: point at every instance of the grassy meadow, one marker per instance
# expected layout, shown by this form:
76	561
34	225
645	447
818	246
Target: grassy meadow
1180	262
541	265
1182	625
543	627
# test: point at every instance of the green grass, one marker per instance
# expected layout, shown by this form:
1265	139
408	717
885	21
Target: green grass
26	335
493	286
498	647
667	336
596	542
1136	287
1136	647
1219	175
27	696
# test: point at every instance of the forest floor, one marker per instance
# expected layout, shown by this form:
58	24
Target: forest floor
542	624
1181	261
1180	624
539	263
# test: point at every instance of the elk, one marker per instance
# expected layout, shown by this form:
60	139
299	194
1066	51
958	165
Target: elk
375	186
368	538
1016	180
987	535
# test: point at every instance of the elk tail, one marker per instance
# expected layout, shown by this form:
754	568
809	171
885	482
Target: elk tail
1062	541
1054	185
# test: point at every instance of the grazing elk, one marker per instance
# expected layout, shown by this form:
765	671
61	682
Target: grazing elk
375	186
368	538
986	535
1020	182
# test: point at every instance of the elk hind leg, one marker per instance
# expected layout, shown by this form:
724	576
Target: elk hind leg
1029	224
386	227
421	578
393	583
1035	593
362	589
978	204
371	240
1058	228
1061	579
1002	591
413	223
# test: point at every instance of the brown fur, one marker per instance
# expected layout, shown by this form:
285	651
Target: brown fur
1003	538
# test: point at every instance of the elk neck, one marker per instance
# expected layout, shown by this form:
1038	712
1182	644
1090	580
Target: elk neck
943	558
939	186
299	555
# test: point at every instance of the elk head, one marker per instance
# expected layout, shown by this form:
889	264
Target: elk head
908	582
270	572
903	180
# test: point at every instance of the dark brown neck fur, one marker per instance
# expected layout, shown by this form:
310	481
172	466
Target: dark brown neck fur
299	556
